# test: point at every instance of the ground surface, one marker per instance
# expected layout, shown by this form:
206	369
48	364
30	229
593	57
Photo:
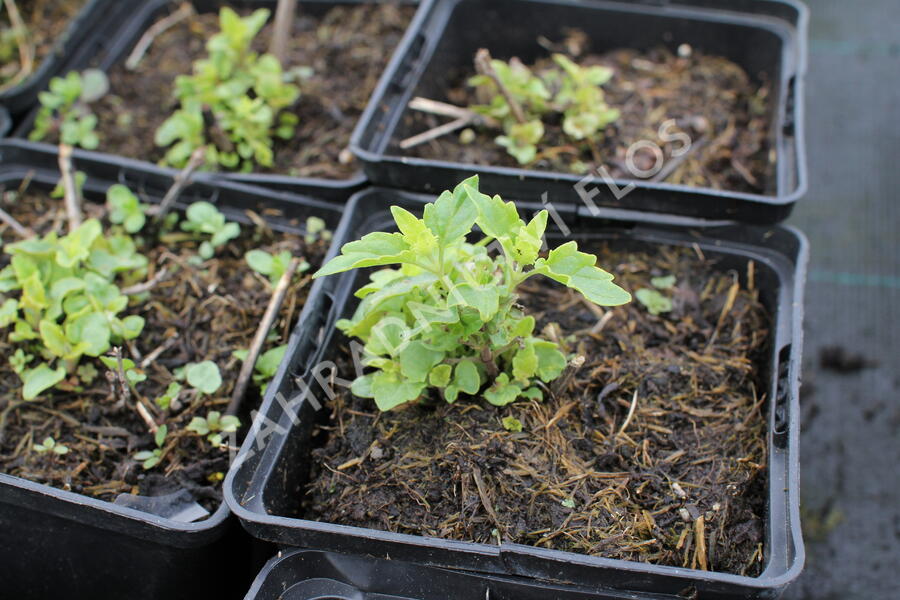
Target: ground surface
851	422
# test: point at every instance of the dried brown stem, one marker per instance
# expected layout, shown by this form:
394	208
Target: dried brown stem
125	391
284	21
71	193
434	133
259	338
146	286
484	67
185	11
20	229
26	52
181	181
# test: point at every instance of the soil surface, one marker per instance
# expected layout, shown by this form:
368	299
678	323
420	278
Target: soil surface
724	112
45	20
347	49
197	313
581	476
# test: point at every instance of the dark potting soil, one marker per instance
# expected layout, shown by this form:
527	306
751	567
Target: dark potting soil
689	465
45	21
197	313
347	49
726	114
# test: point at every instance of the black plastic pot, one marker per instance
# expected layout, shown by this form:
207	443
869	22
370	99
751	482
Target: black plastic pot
312	575
58	544
5	122
104	53
267	480
767	37
90	21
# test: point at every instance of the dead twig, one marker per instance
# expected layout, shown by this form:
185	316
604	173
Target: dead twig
484	67
485	501
259	338
284	21
159	350
672	165
185	11
434	133
20	229
630	413
72	197
140	288
125	391
181	181
26	52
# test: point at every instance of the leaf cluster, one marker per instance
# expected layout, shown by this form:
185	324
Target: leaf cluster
210	225
60	298
565	92
213	426
447	317
240	92
65	108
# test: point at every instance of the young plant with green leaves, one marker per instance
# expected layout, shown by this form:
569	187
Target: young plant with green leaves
654	300
210	227
233	103
214	426
565	92
51	446
447	317
151	458
266	365
61	300
65	109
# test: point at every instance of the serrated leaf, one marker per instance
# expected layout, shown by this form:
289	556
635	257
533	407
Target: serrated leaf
440	375
575	269
373	250
485	299
452	215
417	234
496	218
655	302
512	424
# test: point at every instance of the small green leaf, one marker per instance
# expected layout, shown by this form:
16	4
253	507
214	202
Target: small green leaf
440	376
512	424
204	377
655	302
663	283
40	379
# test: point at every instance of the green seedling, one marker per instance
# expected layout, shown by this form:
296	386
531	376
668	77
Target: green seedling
65	109
447	318
151	458
512	424
204	219
125	209
66	303
316	229
233	103
655	303
204	377
272	266
52	446
566	92
169	396
266	365
214	426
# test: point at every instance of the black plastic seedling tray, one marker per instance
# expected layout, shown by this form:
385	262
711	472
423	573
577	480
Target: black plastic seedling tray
104	53
765	37
313	575
91	21
58	544
266	482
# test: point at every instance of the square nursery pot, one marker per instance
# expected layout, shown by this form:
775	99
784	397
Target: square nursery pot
313	575
104	52
56	543
267	480
766	38
92	20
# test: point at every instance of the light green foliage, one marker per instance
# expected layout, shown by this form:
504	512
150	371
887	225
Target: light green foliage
151	458
65	108
512	424
272	266
266	365
663	283
447	317
204	377
67	304
245	94
169	396
566	92
204	219
213	426
125	209
52	446
316	229
655	302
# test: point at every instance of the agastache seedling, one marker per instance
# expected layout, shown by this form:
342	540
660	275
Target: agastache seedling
447	318
266	365
567	92
204	219
241	93
65	108
68	304
213	426
52	446
151	458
